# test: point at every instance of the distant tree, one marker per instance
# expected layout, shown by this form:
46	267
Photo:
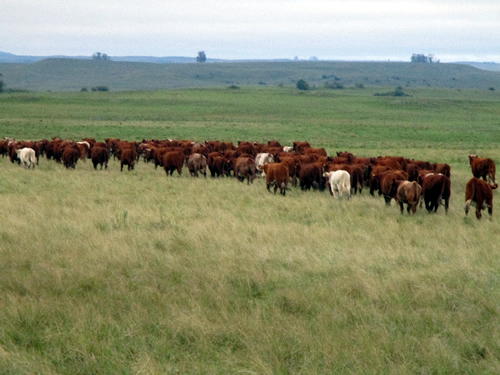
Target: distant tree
1	83
100	56
333	85
100	88
302	85
421	58
397	92
202	57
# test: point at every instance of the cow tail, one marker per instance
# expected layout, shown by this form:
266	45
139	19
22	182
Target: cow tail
492	175
468	201
415	189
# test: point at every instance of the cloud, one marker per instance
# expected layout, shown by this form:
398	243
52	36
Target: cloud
251	29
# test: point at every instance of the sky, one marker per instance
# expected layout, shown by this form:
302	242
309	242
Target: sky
451	30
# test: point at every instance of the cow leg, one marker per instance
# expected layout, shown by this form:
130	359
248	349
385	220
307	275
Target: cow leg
373	187
428	205
335	193
478	211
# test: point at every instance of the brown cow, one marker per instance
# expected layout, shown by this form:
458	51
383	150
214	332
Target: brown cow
70	156
173	160
274	144
483	167
395	162
409	193
298	146
387	187
422	164
128	157
311	175
435	188
3	147
247	148
84	148
346	154
412	170
100	155
219	166
291	164
376	176
12	147
197	163
277	175
314	151
479	192
244	167
442	168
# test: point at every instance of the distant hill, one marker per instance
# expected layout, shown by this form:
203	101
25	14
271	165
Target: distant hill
59	74
491	66
15	59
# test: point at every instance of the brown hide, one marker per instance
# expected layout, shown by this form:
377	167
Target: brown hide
128	157
277	174
173	160
435	189
483	168
244	167
479	192
408	193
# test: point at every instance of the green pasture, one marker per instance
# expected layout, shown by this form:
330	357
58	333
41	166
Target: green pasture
432	119
109	272
73	75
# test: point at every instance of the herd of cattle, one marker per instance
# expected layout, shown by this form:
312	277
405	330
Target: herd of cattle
394	177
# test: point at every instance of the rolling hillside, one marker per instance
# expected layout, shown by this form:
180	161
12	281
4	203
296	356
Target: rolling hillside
73	74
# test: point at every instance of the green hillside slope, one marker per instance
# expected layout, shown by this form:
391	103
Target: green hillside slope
72	75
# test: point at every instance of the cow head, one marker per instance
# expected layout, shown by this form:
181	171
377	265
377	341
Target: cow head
472	157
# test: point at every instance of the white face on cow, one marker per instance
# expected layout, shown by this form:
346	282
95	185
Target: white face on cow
471	157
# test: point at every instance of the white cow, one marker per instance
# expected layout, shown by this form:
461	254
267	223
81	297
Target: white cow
340	183
261	160
27	156
287	148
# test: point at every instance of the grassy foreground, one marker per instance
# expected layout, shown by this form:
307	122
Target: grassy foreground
109	272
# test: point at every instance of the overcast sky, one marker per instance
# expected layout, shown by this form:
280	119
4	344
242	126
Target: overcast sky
452	30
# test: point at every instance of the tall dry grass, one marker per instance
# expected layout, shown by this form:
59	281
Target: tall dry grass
109	272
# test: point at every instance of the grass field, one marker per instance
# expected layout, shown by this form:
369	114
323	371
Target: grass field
73	75
103	272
